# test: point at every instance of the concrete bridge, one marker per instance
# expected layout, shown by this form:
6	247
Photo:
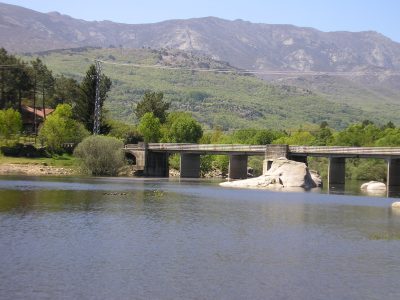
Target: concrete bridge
152	158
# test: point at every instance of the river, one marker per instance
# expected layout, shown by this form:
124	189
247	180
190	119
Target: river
124	238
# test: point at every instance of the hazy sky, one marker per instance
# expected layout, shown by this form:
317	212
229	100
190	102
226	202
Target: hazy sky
327	15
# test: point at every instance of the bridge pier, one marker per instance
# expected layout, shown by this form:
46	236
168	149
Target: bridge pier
238	166
393	173
156	164
190	165
336	170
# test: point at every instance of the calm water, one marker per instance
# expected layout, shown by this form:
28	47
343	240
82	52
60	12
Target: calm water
160	239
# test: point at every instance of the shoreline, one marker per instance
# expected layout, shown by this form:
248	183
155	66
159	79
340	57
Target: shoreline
35	170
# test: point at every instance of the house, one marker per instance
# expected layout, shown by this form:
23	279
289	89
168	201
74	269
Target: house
33	117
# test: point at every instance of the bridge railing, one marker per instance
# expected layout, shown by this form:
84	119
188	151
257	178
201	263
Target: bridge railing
340	150
207	147
261	149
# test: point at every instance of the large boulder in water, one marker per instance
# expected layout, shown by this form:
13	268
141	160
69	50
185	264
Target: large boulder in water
282	174
373	186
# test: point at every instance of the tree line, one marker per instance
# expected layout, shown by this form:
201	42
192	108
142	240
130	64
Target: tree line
34	84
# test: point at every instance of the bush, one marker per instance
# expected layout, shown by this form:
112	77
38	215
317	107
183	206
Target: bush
100	155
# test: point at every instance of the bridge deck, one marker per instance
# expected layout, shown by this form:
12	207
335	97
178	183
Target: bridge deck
338	151
236	149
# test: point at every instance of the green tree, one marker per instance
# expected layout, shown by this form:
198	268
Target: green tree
10	123
183	128
84	106
300	137
43	81
150	128
358	135
128	133
100	155
390	138
152	102
60	128
66	90
323	136
14	80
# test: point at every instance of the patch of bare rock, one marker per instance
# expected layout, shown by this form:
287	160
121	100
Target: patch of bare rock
284	173
34	170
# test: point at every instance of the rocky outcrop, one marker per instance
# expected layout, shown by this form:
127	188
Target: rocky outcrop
283	173
373	186
396	205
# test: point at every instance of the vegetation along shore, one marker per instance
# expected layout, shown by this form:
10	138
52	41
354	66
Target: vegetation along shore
46	121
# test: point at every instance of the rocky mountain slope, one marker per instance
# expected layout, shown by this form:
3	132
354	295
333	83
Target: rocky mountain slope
243	44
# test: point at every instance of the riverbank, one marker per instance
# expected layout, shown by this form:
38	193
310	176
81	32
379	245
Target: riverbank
65	165
36	170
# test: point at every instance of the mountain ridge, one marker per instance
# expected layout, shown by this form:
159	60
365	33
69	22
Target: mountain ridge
369	60
250	45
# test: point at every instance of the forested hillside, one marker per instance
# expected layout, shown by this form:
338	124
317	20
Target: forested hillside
227	100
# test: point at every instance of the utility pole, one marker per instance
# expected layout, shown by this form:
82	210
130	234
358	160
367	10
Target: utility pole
97	106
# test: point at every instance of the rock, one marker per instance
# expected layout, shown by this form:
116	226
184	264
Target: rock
396	205
283	173
373	186
316	177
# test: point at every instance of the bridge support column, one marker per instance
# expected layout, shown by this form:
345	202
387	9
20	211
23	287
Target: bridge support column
156	164
238	166
336	170
190	165
393	173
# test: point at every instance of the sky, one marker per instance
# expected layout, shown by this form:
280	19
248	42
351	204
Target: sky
326	15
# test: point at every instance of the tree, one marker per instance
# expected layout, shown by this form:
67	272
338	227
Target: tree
300	137
66	90
358	135
152	103
43	81
14	80
128	133
10	123
183	128
150	128
60	128
100	155
390	138
324	136
84	106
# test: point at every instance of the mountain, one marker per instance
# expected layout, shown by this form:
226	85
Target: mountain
358	69
248	45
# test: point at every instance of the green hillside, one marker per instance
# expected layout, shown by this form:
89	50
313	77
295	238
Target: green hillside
215	99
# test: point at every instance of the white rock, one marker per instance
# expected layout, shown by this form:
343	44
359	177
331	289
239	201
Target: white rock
373	186
396	205
283	173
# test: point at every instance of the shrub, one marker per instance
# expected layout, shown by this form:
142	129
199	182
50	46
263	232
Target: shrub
100	155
